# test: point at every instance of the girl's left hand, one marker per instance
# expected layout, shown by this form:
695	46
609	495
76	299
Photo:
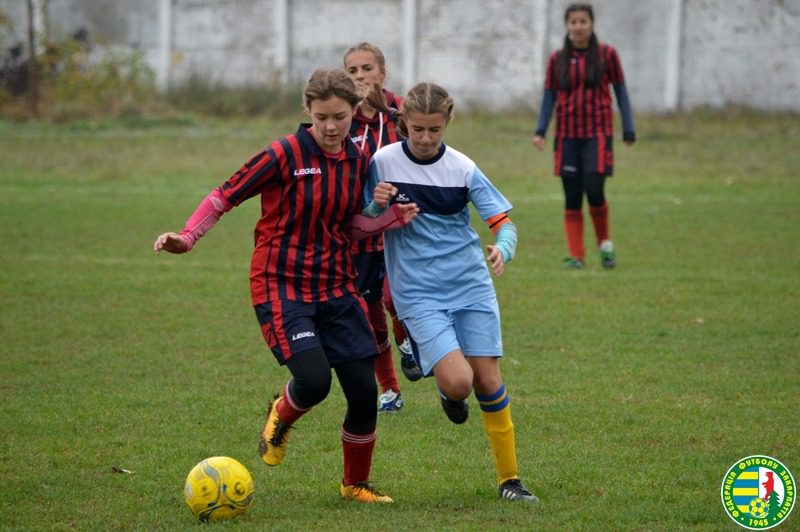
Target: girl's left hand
495	259
409	211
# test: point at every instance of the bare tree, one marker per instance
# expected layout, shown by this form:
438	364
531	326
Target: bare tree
33	70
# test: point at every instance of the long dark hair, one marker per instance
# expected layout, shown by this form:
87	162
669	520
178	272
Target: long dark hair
595	66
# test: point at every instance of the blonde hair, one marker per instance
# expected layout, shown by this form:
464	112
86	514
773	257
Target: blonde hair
374	96
425	98
325	83
367	47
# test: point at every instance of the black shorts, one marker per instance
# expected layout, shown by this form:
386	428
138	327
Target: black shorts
339	326
371	270
575	157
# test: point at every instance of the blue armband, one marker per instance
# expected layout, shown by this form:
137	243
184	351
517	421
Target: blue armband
506	240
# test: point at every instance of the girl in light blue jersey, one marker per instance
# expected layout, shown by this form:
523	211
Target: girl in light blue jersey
440	282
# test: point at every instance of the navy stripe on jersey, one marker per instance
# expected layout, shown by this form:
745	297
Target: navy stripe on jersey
450	198
308	199
248	180
432	199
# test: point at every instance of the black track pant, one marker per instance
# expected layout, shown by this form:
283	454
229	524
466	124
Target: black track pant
591	184
311	384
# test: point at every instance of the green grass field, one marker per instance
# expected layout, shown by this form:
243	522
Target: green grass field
633	390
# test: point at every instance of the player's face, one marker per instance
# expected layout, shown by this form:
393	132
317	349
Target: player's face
425	133
330	121
364	70
579	28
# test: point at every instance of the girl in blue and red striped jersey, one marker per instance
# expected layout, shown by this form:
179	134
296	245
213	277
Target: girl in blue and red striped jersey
374	126
302	276
577	83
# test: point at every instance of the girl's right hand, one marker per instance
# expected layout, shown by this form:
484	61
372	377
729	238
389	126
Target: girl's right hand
538	142
383	194
172	242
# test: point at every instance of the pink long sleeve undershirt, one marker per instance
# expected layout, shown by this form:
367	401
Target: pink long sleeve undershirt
205	216
213	206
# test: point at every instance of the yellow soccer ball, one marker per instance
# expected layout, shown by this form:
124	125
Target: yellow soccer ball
218	488
758	508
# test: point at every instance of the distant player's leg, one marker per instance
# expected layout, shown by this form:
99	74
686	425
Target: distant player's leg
390	399
599	165
569	168
600	212
398	330
573	221
408	363
370	283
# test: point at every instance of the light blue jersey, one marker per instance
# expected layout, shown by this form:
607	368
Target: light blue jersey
436	262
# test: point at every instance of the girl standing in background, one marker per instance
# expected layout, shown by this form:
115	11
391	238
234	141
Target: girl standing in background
577	83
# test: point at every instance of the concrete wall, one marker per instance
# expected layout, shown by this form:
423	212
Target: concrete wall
677	54
742	51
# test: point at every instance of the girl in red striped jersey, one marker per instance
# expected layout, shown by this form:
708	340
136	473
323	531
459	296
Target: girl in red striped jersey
302	279
374	126
577	83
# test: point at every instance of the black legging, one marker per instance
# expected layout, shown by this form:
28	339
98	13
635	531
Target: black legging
574	187
311	383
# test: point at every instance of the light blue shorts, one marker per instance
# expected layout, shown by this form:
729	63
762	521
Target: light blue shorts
474	329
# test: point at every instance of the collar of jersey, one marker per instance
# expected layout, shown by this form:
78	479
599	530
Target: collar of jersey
351	151
432	160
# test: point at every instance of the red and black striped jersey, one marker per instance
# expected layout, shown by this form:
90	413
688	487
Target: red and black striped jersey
393	101
308	199
370	134
583	111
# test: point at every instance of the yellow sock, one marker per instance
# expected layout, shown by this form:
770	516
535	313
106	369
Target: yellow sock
496	415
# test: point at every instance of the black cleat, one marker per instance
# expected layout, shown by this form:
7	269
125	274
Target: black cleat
407	362
457	411
515	490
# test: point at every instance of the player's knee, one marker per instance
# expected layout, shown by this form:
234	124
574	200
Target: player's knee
311	389
596	199
487	384
364	393
311	382
457	389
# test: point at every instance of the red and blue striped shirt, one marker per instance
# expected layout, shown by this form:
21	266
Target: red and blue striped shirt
308	200
371	134
583	111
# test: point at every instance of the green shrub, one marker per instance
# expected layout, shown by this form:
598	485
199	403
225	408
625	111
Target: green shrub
201	96
87	80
